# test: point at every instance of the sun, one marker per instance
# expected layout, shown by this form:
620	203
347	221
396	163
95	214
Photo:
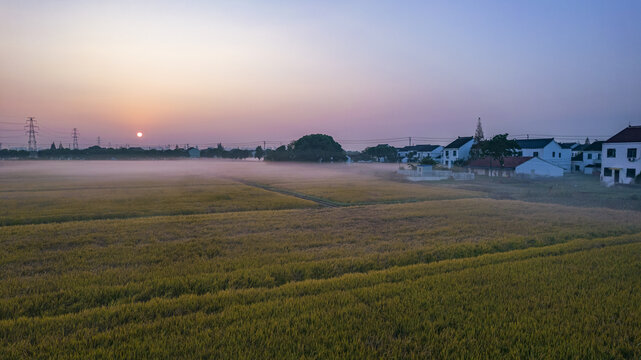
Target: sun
139	134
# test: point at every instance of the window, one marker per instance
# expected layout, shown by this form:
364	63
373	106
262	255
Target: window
589	156
535	154
607	172
632	153
559	155
630	173
553	153
447	153
599	156
612	153
454	153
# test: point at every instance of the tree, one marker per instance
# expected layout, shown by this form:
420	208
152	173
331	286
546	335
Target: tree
259	153
428	161
314	147
476	151
388	153
280	154
317	147
499	147
478	135
53	146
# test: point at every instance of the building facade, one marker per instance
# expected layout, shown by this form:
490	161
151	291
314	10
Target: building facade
420	152
458	149
525	166
548	150
588	161
621	157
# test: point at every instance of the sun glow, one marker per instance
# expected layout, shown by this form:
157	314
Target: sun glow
139	134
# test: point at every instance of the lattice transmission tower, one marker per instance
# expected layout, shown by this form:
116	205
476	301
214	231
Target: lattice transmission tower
75	139
31	129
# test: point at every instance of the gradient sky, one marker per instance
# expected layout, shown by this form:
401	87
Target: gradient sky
234	71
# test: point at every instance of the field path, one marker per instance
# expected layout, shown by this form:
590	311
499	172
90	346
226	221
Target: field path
323	202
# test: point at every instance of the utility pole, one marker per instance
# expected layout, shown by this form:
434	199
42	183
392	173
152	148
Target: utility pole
264	144
75	139
98	141
409	139
31	128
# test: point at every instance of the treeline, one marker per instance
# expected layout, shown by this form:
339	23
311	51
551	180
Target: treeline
309	148
95	153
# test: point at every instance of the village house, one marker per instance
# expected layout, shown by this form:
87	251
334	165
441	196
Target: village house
588	161
548	150
420	152
458	149
620	157
526	166
573	146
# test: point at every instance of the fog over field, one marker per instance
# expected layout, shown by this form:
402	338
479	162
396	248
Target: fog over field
201	168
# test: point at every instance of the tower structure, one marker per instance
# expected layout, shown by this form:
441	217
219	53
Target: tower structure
75	139
31	129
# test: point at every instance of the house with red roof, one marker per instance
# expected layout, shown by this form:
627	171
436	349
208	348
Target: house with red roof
529	166
621	157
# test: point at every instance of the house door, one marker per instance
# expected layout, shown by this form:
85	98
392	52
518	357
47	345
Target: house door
616	176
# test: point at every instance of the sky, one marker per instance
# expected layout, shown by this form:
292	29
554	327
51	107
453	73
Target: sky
240	72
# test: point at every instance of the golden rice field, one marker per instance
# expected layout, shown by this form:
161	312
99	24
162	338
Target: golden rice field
198	263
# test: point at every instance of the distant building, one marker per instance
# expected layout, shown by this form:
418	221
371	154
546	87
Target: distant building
548	150
515	166
193	153
420	152
458	149
620	155
588	161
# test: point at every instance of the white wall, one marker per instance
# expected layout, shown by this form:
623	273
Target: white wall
462	153
589	158
554	153
538	167
620	162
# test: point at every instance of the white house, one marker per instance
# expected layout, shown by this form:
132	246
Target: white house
515	166
419	152
568	150
458	149
548	150
588	161
621	157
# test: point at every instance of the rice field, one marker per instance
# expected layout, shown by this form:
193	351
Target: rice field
202	265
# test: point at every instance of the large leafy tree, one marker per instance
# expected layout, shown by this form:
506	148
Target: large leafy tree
281	153
317	147
259	152
499	147
389	153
